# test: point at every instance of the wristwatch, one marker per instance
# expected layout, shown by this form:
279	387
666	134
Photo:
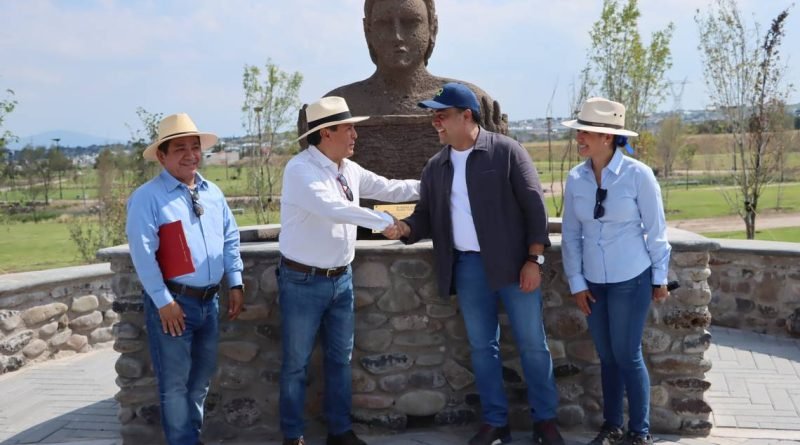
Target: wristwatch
659	286
238	286
538	259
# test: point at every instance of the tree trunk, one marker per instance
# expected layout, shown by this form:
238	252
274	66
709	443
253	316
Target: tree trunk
750	223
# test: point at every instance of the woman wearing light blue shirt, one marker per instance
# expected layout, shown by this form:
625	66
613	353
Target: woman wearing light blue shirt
616	254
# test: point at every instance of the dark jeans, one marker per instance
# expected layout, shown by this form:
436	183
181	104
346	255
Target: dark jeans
184	365
310	304
617	324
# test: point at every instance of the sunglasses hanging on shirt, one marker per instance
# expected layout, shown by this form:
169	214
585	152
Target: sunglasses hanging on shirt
343	182
599	197
196	207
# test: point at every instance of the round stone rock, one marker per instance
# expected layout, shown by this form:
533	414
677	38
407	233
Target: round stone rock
421	403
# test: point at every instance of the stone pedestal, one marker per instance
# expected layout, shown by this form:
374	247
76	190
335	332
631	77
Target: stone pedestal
411	364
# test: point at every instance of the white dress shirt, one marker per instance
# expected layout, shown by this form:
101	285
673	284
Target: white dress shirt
318	222
465	238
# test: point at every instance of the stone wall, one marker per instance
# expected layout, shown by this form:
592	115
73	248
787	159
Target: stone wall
54	313
411	363
757	286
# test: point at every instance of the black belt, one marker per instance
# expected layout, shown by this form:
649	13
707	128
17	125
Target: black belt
332	272
203	293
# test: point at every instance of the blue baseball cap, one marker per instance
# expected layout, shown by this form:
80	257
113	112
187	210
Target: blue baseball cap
452	95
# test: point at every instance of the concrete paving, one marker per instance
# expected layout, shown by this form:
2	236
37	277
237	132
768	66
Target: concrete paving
755	394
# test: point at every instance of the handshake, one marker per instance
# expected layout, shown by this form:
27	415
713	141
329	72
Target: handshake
398	229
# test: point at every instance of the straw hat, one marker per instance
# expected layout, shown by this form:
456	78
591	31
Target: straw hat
327	112
175	126
600	115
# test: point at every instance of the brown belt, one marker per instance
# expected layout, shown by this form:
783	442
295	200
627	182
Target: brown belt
332	272
203	293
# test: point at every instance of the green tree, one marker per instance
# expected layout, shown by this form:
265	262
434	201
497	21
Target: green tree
106	226
141	136
670	140
745	78
7	169
36	165
270	104
626	69
569	154
686	156
119	172
7	105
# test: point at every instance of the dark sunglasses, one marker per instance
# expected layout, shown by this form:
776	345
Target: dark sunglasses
347	192
599	197
195	194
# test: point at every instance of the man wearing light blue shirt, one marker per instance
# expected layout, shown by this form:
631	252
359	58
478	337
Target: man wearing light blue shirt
182	312
616	257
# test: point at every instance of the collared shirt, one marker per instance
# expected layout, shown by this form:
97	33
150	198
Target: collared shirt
213	238
629	238
506	202
318	222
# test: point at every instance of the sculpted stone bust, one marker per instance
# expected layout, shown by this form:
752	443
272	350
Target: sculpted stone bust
398	138
401	35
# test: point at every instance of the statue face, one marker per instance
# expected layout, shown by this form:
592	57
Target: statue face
398	33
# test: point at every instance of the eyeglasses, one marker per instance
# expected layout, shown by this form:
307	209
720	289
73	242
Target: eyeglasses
343	182
599	197
195	194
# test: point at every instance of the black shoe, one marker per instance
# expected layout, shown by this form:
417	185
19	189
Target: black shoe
346	438
608	435
298	441
546	433
488	435
638	439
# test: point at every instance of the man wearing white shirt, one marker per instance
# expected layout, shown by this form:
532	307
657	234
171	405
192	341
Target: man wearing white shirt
481	204
319	214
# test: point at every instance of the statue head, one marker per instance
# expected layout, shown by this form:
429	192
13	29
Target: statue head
387	23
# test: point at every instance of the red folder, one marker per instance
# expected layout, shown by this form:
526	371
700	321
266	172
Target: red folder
173	254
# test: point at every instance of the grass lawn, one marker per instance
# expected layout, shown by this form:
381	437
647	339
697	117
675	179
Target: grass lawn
36	246
790	234
708	202
43	245
46	244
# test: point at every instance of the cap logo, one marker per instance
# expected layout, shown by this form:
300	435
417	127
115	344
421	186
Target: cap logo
439	93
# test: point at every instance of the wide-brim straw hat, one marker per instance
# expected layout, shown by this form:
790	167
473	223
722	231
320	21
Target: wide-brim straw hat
600	115
327	112
175	126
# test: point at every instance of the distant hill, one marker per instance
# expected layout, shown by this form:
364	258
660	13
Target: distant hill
66	139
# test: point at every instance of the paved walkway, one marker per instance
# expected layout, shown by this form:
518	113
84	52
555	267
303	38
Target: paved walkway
755	395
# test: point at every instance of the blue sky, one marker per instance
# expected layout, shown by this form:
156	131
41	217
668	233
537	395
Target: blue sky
85	66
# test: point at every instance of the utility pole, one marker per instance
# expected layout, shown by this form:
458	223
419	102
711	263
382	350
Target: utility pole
225	153
60	192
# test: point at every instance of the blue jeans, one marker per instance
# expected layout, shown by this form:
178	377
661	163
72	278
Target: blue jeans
617	324
184	365
479	307
310	304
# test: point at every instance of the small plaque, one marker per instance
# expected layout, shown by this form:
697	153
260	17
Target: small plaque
399	211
